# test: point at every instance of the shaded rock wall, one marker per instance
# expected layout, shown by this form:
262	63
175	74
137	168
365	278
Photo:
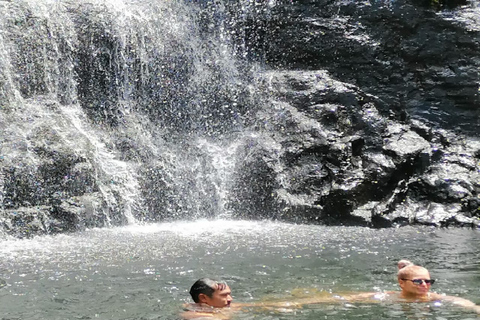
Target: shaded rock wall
381	127
334	158
420	61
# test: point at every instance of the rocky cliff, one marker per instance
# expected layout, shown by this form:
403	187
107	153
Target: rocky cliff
338	112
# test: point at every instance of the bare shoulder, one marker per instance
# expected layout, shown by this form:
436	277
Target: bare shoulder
205	315
195	315
199	311
456	301
453	299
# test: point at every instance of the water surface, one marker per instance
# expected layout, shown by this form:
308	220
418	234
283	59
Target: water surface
145	271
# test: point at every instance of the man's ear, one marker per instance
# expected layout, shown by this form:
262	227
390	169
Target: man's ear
202	298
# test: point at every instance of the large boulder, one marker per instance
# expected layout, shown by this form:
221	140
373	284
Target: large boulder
327	154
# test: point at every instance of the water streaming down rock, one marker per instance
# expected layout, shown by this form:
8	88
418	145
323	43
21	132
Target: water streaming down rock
116	112
102	106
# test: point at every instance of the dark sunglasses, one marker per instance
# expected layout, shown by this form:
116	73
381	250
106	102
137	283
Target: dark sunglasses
420	281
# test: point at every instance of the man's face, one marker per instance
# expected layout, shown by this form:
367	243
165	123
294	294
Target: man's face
220	298
412	289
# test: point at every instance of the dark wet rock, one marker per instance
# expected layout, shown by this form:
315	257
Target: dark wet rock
254	187
434	214
342	162
431	214
317	158
420	62
401	143
26	222
80	212
67	215
444	194
393	120
47	183
54	170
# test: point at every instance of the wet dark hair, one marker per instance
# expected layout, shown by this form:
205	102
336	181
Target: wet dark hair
206	286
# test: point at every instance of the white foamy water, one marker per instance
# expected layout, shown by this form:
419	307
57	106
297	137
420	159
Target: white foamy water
115	177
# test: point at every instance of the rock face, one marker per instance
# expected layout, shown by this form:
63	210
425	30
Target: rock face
417	60
381	127
337	112
332	157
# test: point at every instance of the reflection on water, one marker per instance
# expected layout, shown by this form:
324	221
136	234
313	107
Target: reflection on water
144	272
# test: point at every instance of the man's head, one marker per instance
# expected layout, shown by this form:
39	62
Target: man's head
211	292
414	280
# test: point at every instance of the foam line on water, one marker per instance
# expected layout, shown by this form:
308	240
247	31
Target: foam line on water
201	226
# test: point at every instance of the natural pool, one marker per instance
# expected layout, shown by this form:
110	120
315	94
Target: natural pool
145	271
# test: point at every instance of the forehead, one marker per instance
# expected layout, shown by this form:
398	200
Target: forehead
419	273
225	290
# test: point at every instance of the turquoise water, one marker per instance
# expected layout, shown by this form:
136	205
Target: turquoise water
144	272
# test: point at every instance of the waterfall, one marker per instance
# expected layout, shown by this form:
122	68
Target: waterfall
113	176
117	111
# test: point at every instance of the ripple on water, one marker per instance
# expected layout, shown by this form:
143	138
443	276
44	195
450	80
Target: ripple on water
141	271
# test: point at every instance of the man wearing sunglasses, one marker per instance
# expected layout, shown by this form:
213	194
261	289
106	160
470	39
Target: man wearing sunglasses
415	283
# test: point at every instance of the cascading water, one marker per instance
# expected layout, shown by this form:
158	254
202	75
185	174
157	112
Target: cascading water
113	176
117	109
114	112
